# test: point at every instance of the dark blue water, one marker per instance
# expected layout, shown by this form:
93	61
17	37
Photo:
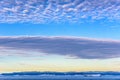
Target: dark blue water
67	77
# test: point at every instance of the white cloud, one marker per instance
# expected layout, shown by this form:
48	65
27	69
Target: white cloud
39	11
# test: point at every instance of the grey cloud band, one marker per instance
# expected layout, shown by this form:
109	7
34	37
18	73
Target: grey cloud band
70	46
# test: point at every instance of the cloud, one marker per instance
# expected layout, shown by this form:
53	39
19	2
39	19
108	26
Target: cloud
68	46
41	11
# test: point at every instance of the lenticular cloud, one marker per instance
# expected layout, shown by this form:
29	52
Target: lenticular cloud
40	11
67	46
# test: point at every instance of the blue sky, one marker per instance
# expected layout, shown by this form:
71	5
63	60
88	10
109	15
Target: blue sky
97	29
59	35
96	19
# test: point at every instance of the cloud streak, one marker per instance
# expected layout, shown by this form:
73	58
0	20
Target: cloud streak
40	11
68	46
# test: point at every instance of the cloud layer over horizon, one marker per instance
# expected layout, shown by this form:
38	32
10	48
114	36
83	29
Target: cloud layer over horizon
67	46
40	11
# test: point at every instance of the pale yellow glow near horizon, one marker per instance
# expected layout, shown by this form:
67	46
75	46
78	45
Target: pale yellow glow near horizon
59	63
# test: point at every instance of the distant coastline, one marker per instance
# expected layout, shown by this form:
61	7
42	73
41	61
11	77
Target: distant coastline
61	76
63	73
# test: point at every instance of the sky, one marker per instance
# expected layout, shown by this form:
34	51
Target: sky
59	35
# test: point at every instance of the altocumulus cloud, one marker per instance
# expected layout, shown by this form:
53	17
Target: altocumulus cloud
40	11
68	46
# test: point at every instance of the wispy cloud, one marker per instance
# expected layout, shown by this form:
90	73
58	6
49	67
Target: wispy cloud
40	11
68	46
